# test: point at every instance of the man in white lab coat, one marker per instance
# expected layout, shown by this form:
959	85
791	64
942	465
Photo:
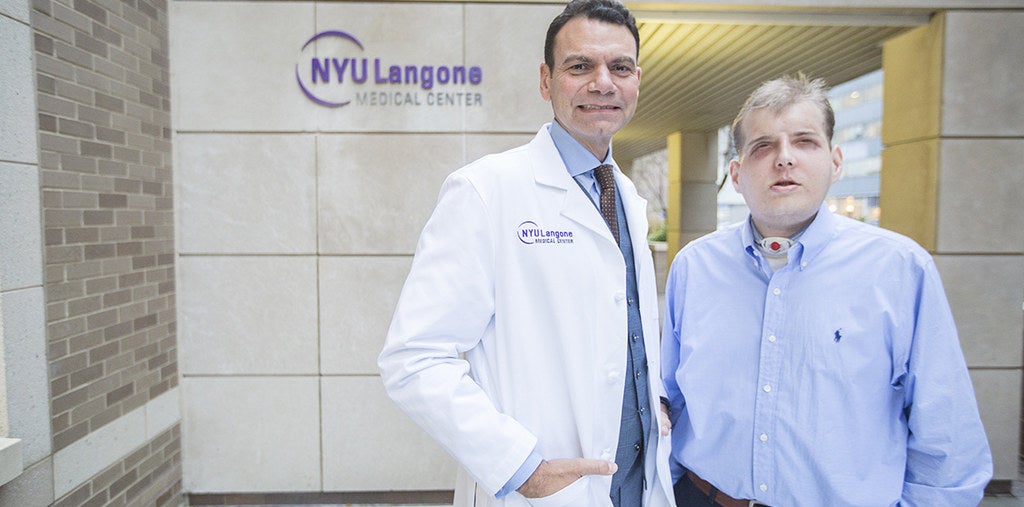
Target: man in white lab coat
527	327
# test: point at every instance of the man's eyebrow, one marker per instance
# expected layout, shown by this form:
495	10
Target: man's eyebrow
574	59
805	133
624	59
757	140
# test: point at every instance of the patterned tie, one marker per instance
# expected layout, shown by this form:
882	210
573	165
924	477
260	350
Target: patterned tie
605	175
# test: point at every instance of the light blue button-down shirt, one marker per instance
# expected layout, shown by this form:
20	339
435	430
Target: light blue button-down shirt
580	163
835	380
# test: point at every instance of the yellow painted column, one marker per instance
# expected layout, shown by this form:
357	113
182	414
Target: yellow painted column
693	192
910	131
675	182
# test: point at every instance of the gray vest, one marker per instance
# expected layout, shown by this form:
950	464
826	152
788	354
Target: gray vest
628	483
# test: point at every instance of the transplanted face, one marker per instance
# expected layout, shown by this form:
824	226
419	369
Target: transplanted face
595	82
785	168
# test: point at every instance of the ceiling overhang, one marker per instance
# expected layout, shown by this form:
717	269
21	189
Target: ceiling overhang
700	64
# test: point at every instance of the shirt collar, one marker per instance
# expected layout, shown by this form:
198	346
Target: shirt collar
811	241
577	159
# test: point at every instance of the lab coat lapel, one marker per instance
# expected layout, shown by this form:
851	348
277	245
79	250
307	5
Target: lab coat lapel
577	206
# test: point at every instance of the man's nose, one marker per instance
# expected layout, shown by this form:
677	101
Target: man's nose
602	81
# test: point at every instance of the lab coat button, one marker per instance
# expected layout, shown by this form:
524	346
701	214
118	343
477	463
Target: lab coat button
619	296
606	454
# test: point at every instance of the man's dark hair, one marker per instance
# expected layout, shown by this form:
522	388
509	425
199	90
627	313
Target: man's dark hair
608	11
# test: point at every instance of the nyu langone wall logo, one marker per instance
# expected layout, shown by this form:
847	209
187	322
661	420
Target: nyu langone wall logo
337	71
529	233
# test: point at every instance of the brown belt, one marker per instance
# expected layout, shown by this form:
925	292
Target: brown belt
721	499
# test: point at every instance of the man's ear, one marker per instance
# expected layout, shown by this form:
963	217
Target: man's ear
734	174
545	82
837	163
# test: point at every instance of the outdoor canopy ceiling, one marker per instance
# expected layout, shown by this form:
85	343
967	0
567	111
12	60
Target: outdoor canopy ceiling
699	66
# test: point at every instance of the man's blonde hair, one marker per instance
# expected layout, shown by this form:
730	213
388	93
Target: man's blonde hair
778	94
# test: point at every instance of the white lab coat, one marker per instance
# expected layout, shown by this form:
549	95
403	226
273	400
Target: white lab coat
503	340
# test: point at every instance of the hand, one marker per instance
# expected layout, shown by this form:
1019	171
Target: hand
551	476
666	421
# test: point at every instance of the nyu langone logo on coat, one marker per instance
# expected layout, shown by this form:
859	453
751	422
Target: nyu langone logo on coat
335	71
529	233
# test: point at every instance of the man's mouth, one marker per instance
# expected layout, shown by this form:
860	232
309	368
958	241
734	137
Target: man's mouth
785	185
590	107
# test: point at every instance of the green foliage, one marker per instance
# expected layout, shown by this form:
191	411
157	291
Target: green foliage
658	233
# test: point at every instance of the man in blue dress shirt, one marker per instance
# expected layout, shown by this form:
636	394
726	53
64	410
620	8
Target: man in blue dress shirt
810	359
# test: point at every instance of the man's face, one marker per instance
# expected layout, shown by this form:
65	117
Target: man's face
786	168
595	82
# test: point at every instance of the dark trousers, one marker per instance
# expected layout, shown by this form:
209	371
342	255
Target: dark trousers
687	494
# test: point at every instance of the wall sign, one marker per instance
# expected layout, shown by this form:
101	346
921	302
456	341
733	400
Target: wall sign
337	71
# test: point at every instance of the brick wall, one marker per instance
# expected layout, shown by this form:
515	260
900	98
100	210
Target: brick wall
105	162
149	476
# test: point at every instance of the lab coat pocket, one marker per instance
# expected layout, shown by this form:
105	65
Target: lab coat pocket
573	495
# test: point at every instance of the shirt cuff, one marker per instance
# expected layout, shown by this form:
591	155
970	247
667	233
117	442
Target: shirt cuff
525	471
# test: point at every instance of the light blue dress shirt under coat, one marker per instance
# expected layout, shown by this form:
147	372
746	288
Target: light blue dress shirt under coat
836	380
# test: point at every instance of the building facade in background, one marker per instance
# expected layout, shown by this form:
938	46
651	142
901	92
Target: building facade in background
207	210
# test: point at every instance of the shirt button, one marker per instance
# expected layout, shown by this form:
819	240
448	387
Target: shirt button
764	438
635	338
764	487
630	301
767	388
772	338
776	291
642	409
636	447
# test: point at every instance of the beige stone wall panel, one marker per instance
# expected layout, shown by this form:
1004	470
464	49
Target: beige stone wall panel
251	434
979	196
357	297
369	445
374	197
248	315
246	193
999	401
234	65
978	97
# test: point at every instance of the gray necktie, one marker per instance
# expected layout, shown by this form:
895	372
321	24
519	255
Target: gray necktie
605	175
